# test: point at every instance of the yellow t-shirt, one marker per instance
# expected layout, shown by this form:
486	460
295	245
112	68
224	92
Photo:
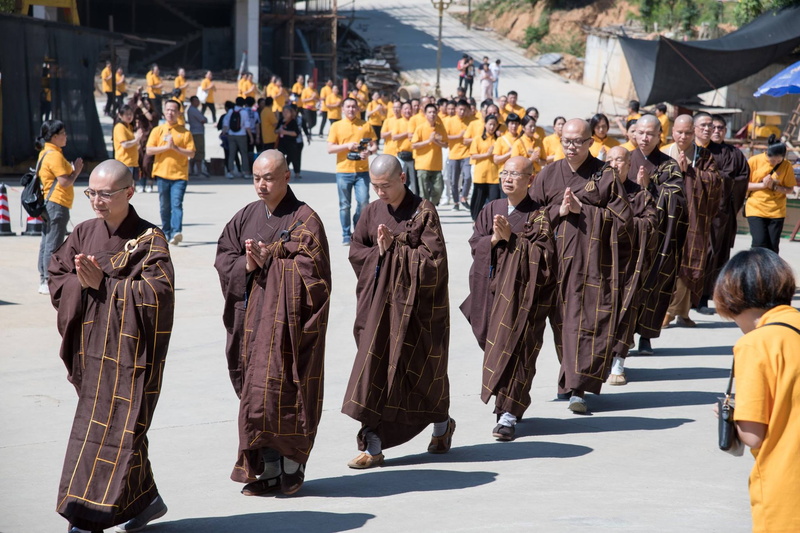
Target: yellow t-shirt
334	113
171	165
415	121
240	87
552	146
475	128
403	125
598	144
483	171
278	98
119	80
389	145
629	146
307	93
666	126
524	146
205	86
361	98
518	109
767	378
346	131
503	145
767	203
428	157
106	73
177	83
54	165
152	80
454	126
248	88
633	116
323	94
127	156
269	121
297	88
377	118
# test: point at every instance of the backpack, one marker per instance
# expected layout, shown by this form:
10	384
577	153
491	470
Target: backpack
235	123
32	197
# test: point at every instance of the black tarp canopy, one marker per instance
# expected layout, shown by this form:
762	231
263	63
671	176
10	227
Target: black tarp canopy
667	70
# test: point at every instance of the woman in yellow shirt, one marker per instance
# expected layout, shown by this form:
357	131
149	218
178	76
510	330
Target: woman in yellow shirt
771	179
299	85
552	143
528	145
485	173
755	289
630	128
602	142
122	87
126	143
376	114
323	95
505	142
208	86
334	104
57	176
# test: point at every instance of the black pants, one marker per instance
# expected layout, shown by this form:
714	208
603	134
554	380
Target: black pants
468	86
294	154
310	118
482	194
323	121
377	130
766	232
121	100
213	111
109	103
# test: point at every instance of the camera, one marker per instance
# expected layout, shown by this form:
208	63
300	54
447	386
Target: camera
363	144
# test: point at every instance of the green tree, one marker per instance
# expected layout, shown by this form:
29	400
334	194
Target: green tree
647	10
689	15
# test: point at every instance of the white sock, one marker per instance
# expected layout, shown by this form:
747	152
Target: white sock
440	428
507	419
618	366
374	446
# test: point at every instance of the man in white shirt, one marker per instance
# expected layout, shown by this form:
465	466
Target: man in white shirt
495	70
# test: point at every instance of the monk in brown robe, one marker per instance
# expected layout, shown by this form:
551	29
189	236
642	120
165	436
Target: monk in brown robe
735	174
274	268
643	249
112	284
592	221
399	383
666	187
512	284
702	186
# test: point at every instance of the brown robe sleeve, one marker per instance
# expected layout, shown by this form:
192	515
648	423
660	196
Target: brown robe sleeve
479	301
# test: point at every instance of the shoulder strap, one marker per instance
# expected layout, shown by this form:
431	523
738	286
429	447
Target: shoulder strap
36	172
784	325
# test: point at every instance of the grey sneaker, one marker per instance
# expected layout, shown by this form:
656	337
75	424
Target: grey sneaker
176	239
157	509
578	405
44	288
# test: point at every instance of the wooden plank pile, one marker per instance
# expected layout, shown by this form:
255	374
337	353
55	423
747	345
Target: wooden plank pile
380	71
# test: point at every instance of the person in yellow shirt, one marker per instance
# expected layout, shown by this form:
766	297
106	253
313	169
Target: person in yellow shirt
208	86
57	176
154	86
458	169
121	88
630	132
771	179
401	135
323	108
666	124
240	84
249	88
441	105
105	81
528	145
269	125
376	114
389	144
553	150
502	102
755	289
633	114
353	141
485	174
180	84
427	142
126	143
363	96
172	146
309	101
334	104
299	85
279	96
512	106
602	143
504	146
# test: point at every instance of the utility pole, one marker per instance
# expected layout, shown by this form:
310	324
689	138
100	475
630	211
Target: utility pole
441	5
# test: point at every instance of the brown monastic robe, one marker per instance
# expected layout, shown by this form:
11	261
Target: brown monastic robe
114	345
511	290
702	186
276	318
666	187
399	383
593	247
643	251
735	174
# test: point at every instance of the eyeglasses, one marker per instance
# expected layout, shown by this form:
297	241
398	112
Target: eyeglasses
511	174
574	142
103	195
704	126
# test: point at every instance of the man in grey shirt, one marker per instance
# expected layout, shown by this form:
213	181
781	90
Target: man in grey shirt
196	121
237	137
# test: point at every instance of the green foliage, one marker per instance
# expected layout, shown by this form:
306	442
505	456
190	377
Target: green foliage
567	45
534	34
747	10
685	15
6	6
689	16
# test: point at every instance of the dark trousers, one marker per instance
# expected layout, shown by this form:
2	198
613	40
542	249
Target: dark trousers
468	86
110	100
766	232
482	194
310	118
323	121
213	111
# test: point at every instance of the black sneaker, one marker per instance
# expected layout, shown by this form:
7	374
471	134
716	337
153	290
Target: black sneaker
563	396
644	346
705	311
503	433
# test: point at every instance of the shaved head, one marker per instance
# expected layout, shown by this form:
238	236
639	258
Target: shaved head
386	166
619	152
576	137
273	157
519	164
649	120
683	132
271	177
578	125
113	173
516	177
684	120
647	133
619	159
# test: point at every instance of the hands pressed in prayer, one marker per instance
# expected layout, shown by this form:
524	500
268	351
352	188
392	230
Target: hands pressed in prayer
683	163
642	178
501	229
385	239
89	272
256	253
571	204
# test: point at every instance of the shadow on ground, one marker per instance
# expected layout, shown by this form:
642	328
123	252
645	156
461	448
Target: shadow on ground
628	401
699	350
284	521
378	483
673	374
597	424
490	451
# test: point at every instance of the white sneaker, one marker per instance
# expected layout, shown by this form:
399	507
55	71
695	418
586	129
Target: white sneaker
44	288
176	239
139	188
149	188
228	175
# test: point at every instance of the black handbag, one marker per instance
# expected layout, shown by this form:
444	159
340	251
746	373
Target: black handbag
729	440
405	156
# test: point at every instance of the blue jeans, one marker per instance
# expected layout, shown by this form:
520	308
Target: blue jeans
345	184
54	230
496	85
170	195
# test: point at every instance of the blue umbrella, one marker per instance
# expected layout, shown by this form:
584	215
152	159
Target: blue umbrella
786	82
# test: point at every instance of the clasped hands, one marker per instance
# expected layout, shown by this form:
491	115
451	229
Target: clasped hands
570	204
88	270
501	229
256	254
385	239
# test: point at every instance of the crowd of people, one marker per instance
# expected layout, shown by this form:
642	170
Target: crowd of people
601	239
